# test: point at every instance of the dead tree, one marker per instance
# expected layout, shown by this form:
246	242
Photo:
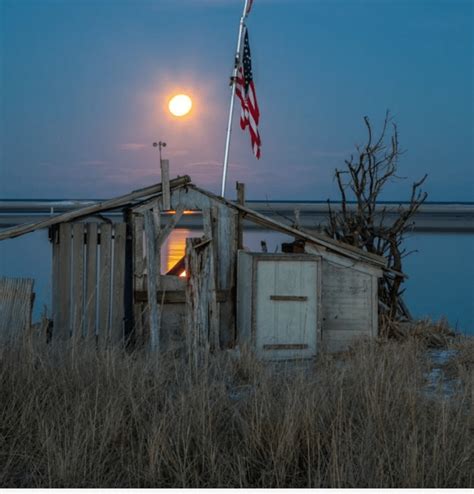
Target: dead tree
361	222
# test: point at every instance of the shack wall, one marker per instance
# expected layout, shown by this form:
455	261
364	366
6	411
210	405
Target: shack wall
349	300
349	306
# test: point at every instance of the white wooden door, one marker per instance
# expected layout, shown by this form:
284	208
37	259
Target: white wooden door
286	308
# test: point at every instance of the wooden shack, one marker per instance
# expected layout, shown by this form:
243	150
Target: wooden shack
108	286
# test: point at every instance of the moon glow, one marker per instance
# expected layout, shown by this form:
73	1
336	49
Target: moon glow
180	105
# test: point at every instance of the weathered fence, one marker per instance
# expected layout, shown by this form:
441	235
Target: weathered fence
16	303
88	281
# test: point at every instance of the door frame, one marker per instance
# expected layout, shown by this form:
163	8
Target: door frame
256	258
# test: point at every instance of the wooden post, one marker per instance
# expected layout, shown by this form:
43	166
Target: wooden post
192	301
297	219
62	328
56	299
200	299
240	226
77	302
91	282
105	296
165	182
138	277
128	301
153	262
224	232
212	284
118	285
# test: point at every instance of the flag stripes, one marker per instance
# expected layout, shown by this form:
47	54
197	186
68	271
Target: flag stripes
245	91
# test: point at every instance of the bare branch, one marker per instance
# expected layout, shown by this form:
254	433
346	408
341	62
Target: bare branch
366	227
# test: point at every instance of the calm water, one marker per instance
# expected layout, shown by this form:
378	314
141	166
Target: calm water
441	273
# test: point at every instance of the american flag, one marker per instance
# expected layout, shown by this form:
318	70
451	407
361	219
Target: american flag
245	91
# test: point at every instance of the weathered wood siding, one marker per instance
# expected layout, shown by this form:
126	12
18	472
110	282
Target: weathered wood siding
16	303
349	299
244	299
348	305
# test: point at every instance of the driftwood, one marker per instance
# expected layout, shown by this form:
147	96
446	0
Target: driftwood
363	179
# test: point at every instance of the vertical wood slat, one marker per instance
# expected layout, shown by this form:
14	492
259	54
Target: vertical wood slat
200	300
15	307
55	279
153	261
192	302
77	302
128	307
240	226
224	231
213	308
104	283
91	282
165	183
138	275
63	328
117	306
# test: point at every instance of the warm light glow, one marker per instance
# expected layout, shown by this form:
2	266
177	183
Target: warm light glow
183	274
174	248
180	105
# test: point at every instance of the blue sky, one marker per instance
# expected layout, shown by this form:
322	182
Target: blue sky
84	84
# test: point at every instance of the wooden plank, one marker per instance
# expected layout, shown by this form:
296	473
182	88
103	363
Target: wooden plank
289	298
100	207
105	259
240	227
152	277
197	322
175	296
165	181
77	302
63	330
128	303
224	234
289	346
91	281
118	284
214	293
138	276
16	295
245	298
55	297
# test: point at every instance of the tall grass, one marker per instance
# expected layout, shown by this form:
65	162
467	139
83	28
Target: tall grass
109	419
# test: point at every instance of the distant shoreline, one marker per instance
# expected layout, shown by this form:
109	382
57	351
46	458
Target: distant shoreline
432	217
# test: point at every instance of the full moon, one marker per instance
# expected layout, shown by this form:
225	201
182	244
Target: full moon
180	105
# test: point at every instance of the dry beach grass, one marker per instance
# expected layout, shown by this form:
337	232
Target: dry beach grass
122	420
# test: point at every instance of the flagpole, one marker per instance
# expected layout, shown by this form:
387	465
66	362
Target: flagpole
232	98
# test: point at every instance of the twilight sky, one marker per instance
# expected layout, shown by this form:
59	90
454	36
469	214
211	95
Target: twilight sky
84	85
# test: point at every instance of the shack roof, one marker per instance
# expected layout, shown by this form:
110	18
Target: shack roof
146	194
